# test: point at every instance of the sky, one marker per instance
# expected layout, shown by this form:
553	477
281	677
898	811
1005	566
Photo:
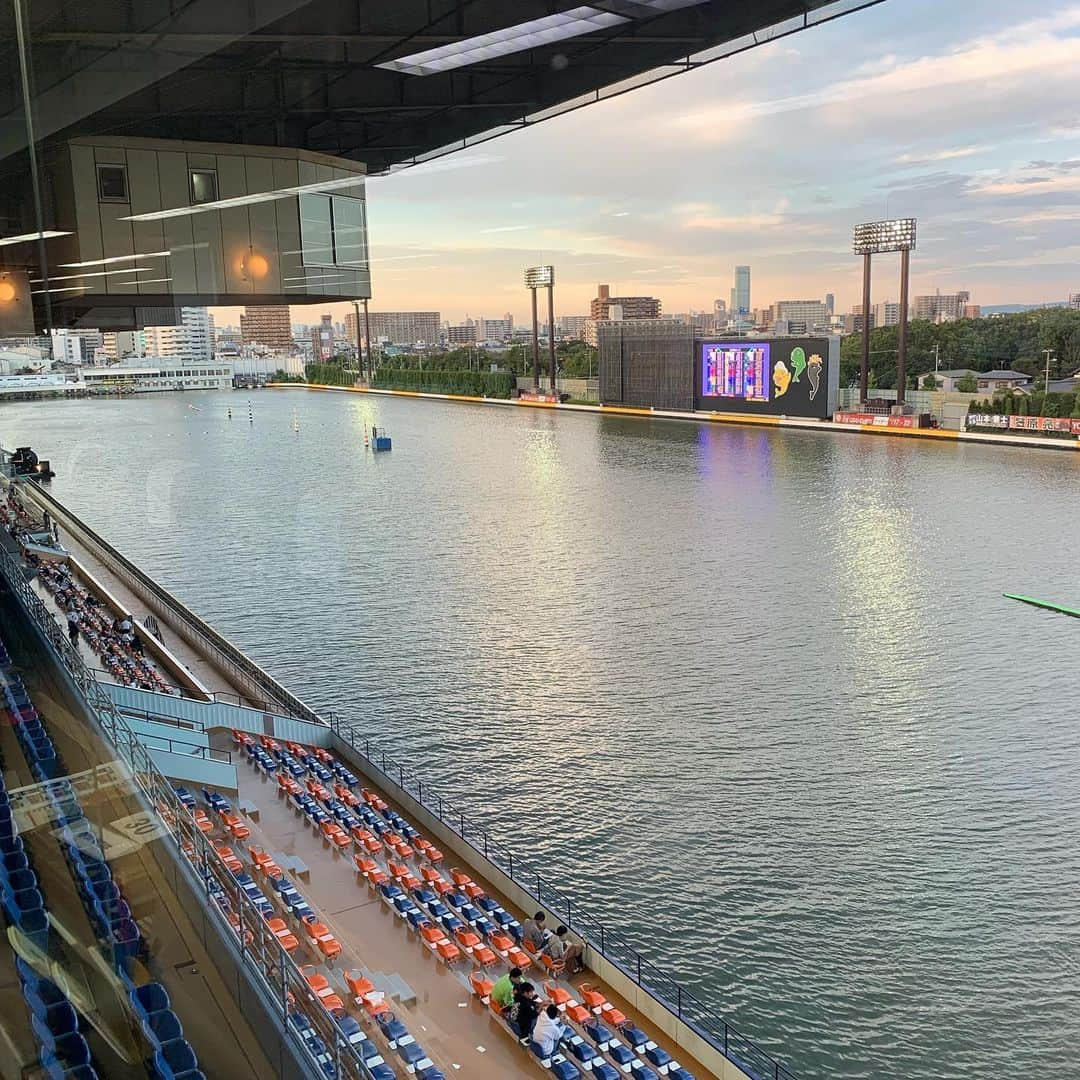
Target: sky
966	116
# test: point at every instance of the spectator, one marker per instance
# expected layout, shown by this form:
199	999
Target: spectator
125	625
73	625
548	1032
502	993
534	933
565	955
528	1008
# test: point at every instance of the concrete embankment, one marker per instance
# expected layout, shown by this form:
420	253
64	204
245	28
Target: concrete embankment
937	434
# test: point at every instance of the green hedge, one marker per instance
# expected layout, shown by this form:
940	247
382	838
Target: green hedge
329	375
492	384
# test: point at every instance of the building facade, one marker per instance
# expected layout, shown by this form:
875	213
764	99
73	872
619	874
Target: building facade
740	294
800	316
886	314
322	340
188	340
406	327
941	307
571	327
267	324
607	308
154	374
462	334
496	330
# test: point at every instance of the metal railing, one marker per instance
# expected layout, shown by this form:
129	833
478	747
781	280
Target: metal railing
215	646
611	944
283	988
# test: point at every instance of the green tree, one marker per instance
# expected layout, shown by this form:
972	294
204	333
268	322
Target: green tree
930	383
967	385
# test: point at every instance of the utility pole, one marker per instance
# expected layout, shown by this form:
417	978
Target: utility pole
937	359
1046	381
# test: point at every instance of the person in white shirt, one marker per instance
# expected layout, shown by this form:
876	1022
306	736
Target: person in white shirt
548	1032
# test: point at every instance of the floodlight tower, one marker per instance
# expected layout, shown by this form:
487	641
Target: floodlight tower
542	277
876	238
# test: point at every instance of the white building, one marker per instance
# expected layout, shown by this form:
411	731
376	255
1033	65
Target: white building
189	341
801	316
497	330
159	373
886	314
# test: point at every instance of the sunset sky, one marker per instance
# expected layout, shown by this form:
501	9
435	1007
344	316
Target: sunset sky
966	116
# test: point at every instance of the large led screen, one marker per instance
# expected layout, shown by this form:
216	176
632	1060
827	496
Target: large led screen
735	371
779	377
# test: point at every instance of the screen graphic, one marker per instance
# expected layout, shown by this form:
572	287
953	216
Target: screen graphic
735	371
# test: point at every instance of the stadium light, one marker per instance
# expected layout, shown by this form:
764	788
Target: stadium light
542	277
877	238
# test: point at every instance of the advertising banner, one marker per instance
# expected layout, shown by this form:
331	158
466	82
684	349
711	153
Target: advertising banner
1024	423
876	420
774	376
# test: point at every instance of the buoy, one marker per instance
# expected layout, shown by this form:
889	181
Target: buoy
229	413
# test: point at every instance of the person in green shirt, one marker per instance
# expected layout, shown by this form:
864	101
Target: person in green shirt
502	993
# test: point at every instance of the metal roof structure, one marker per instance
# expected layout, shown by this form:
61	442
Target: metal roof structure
388	84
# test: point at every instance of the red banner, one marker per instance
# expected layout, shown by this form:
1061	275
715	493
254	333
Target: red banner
873	420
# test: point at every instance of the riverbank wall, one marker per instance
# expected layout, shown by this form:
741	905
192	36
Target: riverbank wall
743	419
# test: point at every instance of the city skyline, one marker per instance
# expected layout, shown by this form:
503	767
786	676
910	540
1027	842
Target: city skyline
768	159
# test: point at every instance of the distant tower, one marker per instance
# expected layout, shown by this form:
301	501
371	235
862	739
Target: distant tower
741	302
830	304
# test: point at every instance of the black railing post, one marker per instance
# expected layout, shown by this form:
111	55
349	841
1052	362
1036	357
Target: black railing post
511	865
440	808
638	955
485	844
420	792
401	777
725	1040
603	951
568	911
678	1000
538	885
462	833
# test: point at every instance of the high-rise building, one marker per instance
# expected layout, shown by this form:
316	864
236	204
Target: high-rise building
741	293
941	307
853	323
188	340
571	327
462	334
1074	301
971	311
496	329
322	340
633	307
605	307
121	344
801	316
267	324
720	313
406	327
885	314
830	304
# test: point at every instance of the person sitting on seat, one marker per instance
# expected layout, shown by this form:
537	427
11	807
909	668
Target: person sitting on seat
534	933
565	955
502	993
526	1011
548	1032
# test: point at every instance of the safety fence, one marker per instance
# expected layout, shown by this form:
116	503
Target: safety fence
283	989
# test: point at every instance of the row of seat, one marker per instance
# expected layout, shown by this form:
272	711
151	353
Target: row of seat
455	918
172	1057
293	906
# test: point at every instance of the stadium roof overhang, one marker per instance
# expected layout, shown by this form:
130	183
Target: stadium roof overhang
388	84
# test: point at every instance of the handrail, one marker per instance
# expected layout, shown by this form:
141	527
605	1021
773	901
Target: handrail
284	988
612	945
214	642
158	718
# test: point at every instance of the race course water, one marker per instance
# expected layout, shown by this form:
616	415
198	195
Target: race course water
754	696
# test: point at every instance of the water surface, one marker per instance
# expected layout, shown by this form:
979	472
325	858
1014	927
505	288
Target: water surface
755	696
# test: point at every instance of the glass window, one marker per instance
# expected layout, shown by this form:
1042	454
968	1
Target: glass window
112	183
203	185
316	238
350	231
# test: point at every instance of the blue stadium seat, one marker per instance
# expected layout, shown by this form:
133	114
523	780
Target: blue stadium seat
174	1059
565	1070
149	999
161	1028
601	1070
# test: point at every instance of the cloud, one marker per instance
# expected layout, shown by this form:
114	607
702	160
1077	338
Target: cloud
950	154
1037	48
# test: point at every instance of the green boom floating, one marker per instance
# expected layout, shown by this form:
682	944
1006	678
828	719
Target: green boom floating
1059	608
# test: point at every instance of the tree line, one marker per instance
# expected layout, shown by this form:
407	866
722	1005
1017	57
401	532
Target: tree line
1009	341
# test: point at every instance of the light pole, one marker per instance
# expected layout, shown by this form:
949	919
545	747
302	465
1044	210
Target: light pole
875	238
542	277
1046	382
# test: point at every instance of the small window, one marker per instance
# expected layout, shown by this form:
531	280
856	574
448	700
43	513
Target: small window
112	183
203	186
